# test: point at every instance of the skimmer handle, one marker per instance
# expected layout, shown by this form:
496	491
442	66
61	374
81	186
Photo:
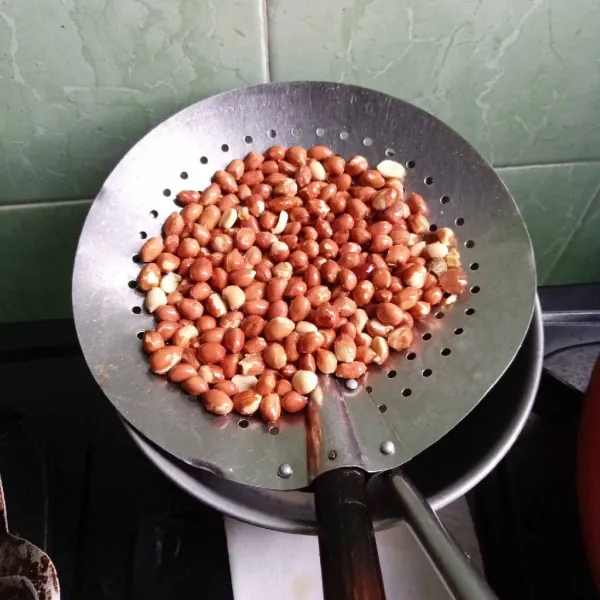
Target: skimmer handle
349	560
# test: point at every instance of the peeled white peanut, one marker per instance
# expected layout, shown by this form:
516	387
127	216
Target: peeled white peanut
281	223
170	282
317	170
437	250
234	296
304	382
417	249
244	382
392	168
155	298
228	218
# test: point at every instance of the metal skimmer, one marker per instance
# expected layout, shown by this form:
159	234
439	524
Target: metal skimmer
397	410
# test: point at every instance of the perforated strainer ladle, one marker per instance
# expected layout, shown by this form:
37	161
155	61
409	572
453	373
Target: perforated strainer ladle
397	410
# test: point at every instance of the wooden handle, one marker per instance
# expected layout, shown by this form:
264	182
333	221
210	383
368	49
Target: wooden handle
349	560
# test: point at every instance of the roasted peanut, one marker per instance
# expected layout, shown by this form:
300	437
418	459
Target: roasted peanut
195	385
279	328
153	341
247	402
151	249
266	383
389	314
252	364
453	281
274	356
294	401
164	359
149	277
270	408
352	370
179	373
217	402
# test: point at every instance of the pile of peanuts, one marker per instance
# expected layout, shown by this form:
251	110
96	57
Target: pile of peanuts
291	262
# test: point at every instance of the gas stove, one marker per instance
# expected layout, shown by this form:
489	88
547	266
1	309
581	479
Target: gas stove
78	487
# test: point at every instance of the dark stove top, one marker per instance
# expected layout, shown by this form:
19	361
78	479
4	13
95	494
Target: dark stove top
115	527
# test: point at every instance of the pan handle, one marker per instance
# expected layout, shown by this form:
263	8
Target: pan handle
456	569
349	560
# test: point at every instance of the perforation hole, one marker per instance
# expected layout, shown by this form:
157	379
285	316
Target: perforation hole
368	141
427	373
143	235
411	356
243	423
458	331
439	315
203	160
428	180
460	221
136	310
183	175
382	408
390	152
273	430
411	164
392	374
140	335
225	148
132	284
135	258
445	199
474	266
320	131
344	135
469	244
166	192
433	227
248	139
272	133
426	336
406	392
446	352
475	289
470	311
154	214
369	389
296	131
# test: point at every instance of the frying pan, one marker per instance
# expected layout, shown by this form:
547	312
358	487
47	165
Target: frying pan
396	411
26	572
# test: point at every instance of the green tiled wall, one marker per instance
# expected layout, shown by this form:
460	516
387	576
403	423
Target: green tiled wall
82	80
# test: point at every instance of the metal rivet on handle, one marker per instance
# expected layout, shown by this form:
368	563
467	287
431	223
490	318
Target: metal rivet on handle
351	384
387	447
285	470
332	455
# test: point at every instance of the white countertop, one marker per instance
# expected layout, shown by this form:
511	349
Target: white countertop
270	564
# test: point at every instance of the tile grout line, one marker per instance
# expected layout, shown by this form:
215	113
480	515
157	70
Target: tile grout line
266	46
44	203
580	221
